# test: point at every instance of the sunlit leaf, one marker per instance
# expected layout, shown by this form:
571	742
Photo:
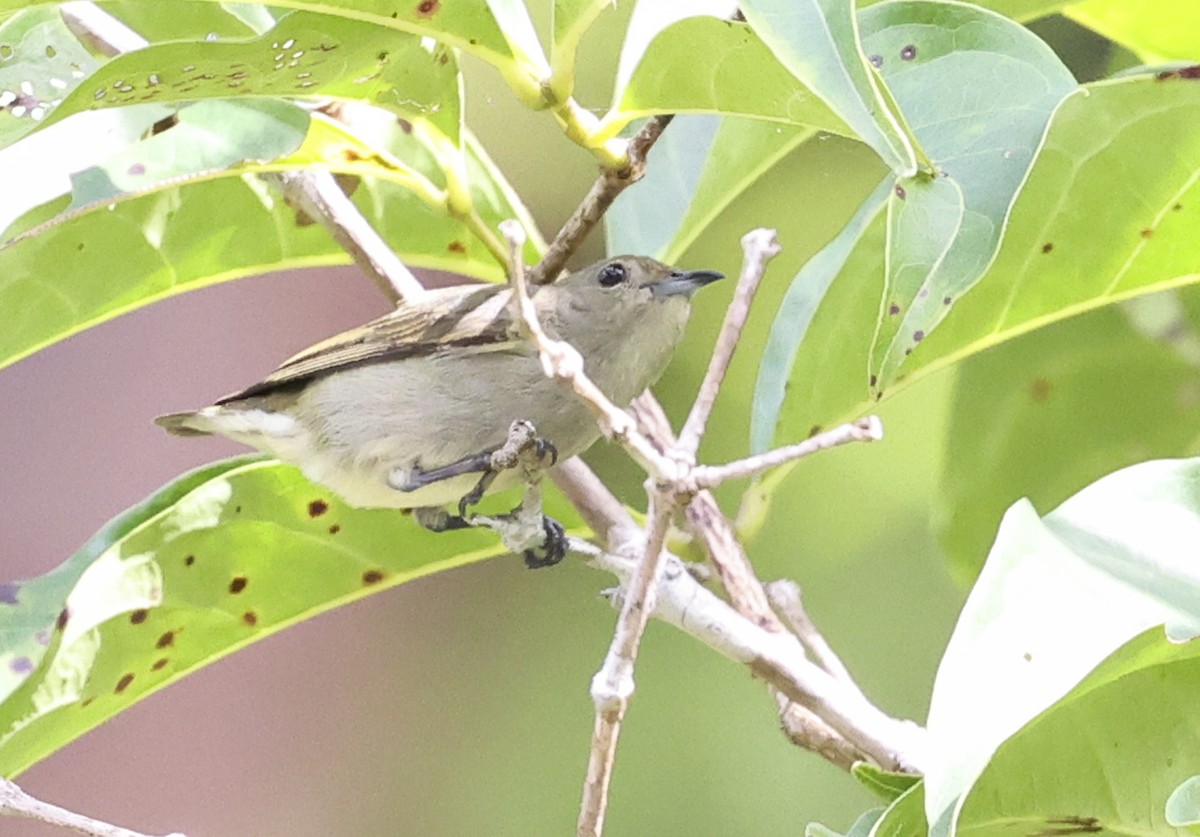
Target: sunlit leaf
1183	805
219	559
1105	757
1056	597
1155	30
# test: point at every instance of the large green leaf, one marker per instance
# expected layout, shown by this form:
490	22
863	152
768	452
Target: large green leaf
1019	10
304	55
738	75
1105	758
167	238
213	562
1046	414
1156	30
1057	596
1103	216
943	232
817	41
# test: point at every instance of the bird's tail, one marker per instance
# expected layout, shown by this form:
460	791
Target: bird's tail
184	424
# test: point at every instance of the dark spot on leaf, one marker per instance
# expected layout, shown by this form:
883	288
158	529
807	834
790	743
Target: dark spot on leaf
382	57
1147	233
124	682
473	41
237	509
351	156
405	125
918	336
63	616
908	53
238	584
395	15
8	593
1177	207
428	8
138	616
924	292
456	247
946	300
42	637
166	640
907	352
250	618
1039	390
159	663
876	60
814	430
893	309
900	193
334	529
879	395
1192	72
21	665
443	59
317	508
137	168
1047	247
372	577
189	560
873	380
164	123
86	702
79	246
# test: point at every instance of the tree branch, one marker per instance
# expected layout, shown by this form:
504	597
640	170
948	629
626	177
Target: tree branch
597	201
15	802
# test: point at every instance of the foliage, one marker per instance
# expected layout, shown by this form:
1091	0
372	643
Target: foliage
1009	197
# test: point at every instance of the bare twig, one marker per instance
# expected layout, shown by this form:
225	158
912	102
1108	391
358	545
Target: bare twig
597	201
785	597
315	193
868	429
15	802
760	246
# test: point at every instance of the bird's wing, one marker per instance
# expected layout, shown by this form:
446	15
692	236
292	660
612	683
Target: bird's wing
449	319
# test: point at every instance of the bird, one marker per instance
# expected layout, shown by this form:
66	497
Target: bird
403	412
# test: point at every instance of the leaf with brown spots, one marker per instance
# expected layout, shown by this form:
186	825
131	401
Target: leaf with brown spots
202	610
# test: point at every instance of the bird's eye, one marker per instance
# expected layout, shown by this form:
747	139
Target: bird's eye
613	274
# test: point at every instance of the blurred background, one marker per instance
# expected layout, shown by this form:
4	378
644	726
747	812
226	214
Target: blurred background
458	704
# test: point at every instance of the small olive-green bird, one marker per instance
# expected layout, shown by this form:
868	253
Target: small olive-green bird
403	411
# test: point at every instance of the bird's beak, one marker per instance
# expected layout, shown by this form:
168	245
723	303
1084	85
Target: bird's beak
683	283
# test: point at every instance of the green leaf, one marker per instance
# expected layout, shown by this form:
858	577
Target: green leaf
856	250
883	783
1104	758
1156	30
738	76
905	817
1102	217
943	233
1183	805
40	61
861	827
304	55
215	561
1046	414
1018	10
1056	597
817	41
569	20
177	238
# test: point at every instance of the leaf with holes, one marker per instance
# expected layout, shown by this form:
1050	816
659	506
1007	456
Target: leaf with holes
817	41
1064	406
173	238
304	55
1089	764
1058	596
739	76
219	559
983	139
40	62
